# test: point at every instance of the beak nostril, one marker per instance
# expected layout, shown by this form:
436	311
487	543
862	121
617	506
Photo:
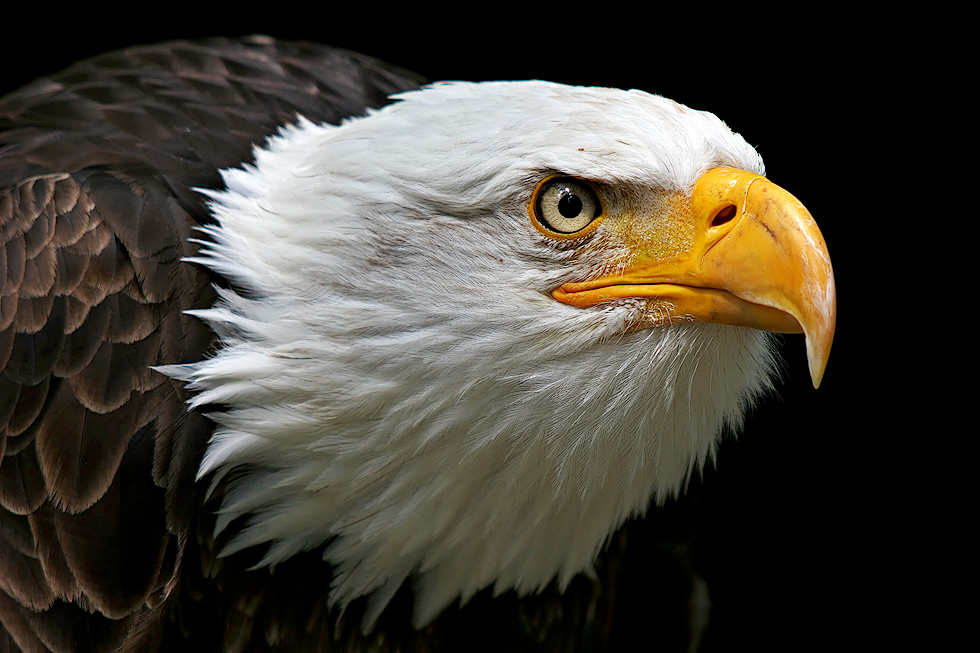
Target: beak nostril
725	214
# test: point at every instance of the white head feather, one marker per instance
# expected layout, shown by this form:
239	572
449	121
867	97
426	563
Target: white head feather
398	381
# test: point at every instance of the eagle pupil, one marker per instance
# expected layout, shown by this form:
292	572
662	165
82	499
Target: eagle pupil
569	205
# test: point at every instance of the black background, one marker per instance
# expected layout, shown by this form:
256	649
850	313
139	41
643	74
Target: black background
818	517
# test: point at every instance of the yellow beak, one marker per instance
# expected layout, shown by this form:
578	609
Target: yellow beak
757	260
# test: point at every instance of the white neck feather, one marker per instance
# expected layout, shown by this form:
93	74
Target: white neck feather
400	385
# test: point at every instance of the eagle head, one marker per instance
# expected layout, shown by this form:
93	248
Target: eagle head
471	333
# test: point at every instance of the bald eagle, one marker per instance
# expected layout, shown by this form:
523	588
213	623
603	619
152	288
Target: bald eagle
300	356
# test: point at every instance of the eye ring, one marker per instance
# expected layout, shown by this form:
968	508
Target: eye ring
565	207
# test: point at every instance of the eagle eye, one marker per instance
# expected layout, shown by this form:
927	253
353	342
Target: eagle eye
565	205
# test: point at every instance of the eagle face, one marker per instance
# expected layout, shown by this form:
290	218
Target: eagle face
470	334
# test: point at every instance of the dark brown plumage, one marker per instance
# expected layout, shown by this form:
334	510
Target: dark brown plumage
97	166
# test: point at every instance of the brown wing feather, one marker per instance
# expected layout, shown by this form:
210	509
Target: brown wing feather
77	470
97	170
